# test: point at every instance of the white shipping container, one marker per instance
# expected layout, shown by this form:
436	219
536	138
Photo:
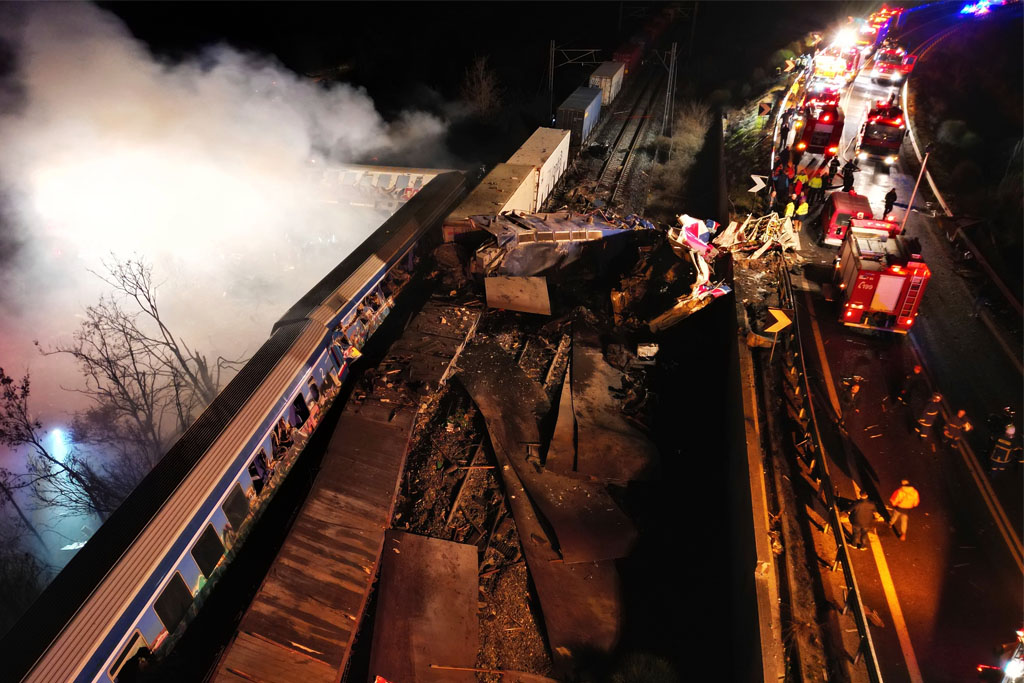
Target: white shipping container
608	77
508	187
547	150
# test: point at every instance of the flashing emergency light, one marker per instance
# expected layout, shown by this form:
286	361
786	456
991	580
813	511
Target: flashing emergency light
833	150
860	214
826	118
890	160
801	145
845	38
908	321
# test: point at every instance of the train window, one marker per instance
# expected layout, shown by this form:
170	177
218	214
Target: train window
208	550
236	507
301	410
136	642
173	602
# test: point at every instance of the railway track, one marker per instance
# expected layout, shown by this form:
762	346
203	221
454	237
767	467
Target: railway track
617	167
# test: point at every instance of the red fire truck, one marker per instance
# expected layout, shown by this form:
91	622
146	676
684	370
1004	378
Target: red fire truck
892	65
821	92
882	133
881	279
838	62
822	131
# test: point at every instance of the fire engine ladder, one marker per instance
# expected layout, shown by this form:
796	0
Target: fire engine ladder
913	294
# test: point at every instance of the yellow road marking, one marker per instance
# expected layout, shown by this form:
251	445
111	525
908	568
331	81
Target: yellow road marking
898	622
822	359
876	545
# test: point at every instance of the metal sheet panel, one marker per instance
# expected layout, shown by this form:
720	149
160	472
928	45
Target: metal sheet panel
526	294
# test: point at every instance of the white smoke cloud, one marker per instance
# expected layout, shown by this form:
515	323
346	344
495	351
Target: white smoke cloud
202	168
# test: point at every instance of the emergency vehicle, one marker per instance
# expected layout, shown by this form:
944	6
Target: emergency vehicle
882	133
892	65
836	62
821	92
881	280
821	131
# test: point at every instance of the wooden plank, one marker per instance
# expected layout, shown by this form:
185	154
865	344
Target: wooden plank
252	658
426	610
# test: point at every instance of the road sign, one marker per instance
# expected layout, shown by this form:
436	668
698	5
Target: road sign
764	108
815	39
789	65
782	319
758	182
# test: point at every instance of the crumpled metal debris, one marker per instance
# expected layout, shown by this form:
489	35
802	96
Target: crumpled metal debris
758	235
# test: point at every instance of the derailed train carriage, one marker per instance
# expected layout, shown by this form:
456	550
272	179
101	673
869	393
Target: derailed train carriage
145	573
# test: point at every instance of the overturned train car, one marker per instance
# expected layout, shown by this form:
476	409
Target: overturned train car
146	572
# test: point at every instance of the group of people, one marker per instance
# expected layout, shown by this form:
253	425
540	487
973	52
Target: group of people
1005	446
794	190
863	513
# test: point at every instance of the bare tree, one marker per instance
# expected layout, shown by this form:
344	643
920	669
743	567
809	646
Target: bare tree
480	88
22	575
71	483
147	384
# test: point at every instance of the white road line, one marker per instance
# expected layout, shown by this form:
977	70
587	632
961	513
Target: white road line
894	608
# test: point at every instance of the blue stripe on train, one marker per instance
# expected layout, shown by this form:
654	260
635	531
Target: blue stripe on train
91	671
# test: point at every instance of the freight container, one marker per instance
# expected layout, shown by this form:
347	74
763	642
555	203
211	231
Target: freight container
608	77
578	115
629	54
508	187
547	151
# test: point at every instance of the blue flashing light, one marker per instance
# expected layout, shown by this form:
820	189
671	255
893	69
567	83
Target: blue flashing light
977	9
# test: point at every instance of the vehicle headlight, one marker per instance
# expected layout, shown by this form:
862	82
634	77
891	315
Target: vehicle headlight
890	160
1014	668
863	156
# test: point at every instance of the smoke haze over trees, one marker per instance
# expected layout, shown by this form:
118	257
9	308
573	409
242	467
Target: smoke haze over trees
200	178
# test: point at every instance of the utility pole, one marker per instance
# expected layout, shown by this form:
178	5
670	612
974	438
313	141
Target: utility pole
693	28
551	79
913	195
670	94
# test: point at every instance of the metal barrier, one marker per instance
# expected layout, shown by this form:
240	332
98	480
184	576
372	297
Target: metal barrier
814	461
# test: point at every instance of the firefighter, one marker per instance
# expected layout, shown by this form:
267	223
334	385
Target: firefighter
1005	446
890	201
833	168
848	170
928	414
911	383
815	192
801	212
955	427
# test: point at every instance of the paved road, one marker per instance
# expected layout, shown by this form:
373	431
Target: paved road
953	589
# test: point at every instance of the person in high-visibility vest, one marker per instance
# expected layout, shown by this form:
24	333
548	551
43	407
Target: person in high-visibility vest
801	213
1002	449
816	191
790	209
903	500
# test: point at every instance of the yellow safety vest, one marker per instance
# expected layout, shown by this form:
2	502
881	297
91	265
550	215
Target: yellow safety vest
789	209
802	177
802	209
814	182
